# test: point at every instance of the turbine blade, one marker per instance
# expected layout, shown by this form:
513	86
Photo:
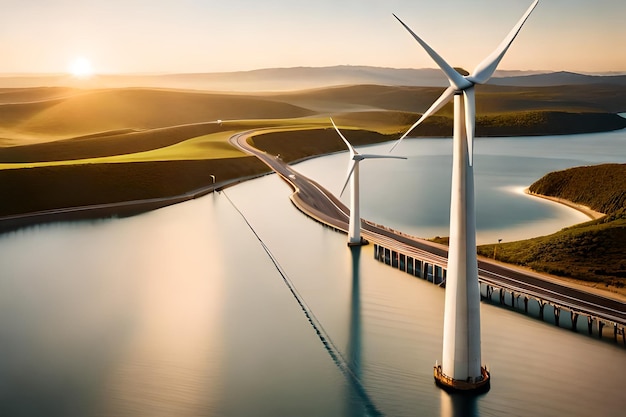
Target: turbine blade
372	156
483	72
443	99
350	171
470	121
454	77
350	148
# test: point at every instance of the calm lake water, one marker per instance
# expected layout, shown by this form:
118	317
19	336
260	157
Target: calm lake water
181	312
414	195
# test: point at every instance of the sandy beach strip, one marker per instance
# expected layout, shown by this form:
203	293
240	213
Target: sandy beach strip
592	214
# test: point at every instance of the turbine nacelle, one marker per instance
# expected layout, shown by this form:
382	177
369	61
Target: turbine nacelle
356	157
465	84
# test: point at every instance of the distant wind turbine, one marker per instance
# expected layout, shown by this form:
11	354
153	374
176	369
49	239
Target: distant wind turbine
354	228
461	362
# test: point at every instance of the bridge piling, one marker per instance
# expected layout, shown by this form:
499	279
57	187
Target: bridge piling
574	317
436	273
600	326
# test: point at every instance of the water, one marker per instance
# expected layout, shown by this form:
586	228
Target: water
414	195
177	312
181	312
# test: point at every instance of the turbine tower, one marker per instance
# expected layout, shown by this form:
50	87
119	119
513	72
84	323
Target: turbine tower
354	228
461	368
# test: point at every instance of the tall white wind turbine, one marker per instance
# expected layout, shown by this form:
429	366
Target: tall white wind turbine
461	362
354	228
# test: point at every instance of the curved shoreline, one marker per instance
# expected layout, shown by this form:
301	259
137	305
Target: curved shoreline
592	214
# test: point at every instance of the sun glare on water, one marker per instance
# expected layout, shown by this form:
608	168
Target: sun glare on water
81	68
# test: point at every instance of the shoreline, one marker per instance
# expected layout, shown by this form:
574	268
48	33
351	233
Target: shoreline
592	214
119	209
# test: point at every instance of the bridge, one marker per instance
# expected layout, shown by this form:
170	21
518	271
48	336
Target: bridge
428	260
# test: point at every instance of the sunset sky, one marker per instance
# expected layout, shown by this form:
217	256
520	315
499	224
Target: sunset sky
152	36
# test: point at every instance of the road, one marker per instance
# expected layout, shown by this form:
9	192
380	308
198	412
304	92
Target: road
317	202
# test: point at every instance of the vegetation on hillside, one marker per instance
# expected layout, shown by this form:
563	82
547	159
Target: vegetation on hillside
592	252
529	123
490	99
600	187
34	189
295	145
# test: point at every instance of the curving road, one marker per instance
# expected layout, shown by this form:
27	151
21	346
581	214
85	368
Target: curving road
317	202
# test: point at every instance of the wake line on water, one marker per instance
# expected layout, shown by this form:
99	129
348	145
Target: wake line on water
329	345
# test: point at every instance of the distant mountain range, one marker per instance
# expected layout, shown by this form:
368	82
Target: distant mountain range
558	78
299	78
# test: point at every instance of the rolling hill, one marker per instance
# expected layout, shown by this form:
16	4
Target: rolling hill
53	124
113	109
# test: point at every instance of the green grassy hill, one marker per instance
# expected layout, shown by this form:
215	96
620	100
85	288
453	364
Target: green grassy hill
105	144
600	187
594	251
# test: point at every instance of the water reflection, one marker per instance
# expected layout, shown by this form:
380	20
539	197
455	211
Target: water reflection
458	405
365	407
354	342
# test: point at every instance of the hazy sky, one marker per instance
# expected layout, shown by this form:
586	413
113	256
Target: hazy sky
206	35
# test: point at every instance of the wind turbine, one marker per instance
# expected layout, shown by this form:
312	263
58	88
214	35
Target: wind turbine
354	228
461	363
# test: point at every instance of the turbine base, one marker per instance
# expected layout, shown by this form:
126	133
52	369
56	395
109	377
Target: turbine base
361	242
477	386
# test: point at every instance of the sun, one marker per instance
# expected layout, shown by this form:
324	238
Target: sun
81	68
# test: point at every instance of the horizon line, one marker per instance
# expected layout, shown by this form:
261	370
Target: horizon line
166	73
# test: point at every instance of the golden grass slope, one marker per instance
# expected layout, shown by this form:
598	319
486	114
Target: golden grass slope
96	111
27	95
